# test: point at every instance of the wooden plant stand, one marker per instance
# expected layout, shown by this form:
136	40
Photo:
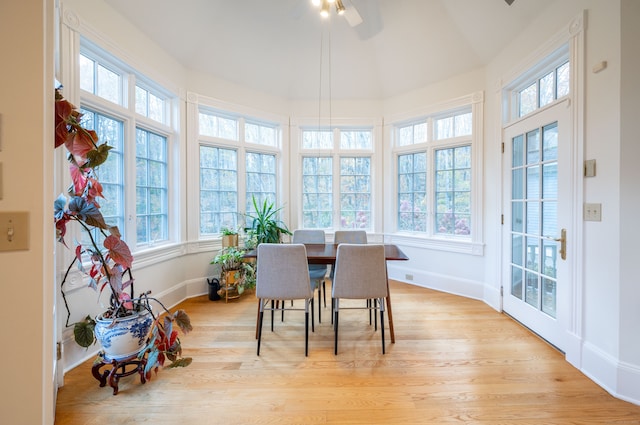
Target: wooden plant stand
119	369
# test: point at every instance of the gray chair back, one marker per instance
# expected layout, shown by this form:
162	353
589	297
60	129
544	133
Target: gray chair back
282	272
361	272
350	236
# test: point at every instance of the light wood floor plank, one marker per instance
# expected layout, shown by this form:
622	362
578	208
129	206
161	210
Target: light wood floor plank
455	361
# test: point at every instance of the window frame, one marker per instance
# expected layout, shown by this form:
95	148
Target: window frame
197	104
126	112
298	152
470	244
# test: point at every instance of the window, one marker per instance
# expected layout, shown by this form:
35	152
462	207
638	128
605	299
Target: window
151	187
110	173
355	193
150	104
453	191
218	189
412	192
97	78
261	179
214	125
317	192
347	204
238	160
544	90
143	157
435	183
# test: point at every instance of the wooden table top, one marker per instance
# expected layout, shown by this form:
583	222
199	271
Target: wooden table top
326	253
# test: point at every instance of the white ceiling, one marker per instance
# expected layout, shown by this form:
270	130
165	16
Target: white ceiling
274	45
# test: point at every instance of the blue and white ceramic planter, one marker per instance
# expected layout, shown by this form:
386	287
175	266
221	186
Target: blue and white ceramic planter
125	337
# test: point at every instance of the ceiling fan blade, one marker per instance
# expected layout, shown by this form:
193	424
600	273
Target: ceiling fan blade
351	14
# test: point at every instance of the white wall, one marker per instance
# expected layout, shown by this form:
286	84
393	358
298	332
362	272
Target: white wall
26	306
610	290
630	197
609	310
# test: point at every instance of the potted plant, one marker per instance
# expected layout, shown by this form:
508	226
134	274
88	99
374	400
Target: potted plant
229	237
236	274
105	259
265	226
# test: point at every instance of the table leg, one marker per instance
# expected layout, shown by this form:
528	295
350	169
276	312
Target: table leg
390	313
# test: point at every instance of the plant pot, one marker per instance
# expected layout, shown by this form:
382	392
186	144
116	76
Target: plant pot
125	337
229	240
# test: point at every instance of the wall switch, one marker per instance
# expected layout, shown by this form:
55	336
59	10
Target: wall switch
14	231
590	168
592	212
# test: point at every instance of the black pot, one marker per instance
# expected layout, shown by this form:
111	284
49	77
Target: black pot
214	287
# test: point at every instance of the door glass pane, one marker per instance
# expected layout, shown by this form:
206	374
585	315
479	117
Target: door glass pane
533	182
533	146
549	296
549	221
550	142
517	250
517	217
516	282
533	218
533	254
531	289
517	152
517	191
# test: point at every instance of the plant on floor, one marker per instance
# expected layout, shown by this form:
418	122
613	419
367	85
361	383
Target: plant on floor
107	267
231	260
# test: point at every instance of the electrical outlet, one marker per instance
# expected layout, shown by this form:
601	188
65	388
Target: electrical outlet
408	276
592	212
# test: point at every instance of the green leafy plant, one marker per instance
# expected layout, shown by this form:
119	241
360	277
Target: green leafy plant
231	259
105	259
265	226
227	231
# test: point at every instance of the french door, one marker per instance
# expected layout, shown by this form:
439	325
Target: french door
537	219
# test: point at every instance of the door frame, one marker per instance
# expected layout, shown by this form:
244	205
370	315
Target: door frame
573	35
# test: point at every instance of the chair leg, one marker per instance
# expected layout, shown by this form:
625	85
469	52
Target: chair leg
261	315
336	306
335	327
306	332
319	305
324	293
312	326
382	326
272	309
375	317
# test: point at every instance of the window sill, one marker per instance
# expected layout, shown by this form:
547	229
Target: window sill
457	245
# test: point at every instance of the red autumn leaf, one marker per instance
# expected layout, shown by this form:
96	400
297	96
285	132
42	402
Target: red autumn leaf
119	251
94	191
63	111
78	178
80	144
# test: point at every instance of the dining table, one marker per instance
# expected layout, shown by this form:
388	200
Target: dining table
326	254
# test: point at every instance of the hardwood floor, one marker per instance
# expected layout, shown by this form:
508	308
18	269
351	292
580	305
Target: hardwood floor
455	360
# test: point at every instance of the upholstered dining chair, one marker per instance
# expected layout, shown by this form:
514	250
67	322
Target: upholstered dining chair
347	236
317	272
361	273
283	274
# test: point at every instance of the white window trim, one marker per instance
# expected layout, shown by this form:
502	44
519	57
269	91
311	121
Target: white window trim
195	102
474	244
75	30
298	125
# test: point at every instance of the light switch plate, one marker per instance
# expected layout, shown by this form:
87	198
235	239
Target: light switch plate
590	168
14	231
